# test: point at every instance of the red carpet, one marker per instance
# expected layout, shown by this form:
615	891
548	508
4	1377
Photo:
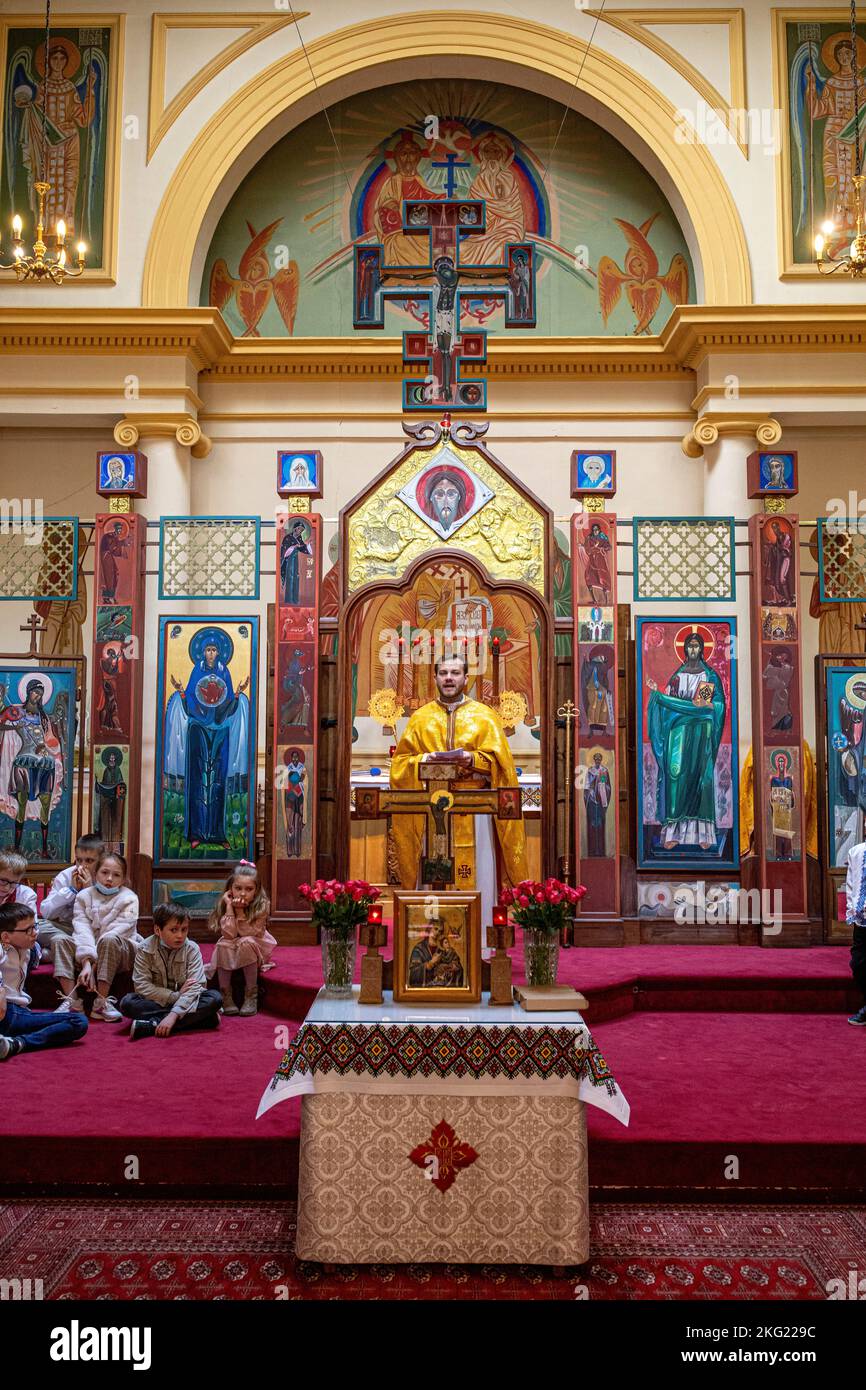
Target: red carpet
720	1051
245	1250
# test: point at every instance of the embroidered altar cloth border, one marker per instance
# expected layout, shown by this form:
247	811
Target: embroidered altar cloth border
404	1056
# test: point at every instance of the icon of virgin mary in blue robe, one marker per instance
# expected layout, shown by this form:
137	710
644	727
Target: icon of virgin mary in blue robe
685	726
206	738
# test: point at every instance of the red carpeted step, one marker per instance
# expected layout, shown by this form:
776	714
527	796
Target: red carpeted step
183	1106
782	1091
784	1094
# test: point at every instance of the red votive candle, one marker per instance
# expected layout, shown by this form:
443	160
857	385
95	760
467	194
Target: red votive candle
500	916
374	912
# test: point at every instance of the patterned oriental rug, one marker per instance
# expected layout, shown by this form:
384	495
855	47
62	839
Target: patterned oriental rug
245	1250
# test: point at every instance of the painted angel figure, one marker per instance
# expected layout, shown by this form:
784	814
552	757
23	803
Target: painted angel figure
207	737
31	758
72	107
828	96
644	285
255	287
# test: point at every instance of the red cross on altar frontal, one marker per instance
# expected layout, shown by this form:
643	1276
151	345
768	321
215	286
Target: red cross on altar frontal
438	292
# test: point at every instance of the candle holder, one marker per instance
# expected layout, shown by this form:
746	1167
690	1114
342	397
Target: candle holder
502	932
373	933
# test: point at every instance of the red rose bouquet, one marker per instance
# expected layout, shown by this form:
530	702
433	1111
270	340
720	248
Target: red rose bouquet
338	910
339	906
542	906
542	910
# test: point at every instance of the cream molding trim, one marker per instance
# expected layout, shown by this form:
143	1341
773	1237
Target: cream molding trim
693	333
187	431
712	426
161	117
632	22
526	47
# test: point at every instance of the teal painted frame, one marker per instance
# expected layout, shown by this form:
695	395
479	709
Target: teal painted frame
850	524
62	598
222	598
683	598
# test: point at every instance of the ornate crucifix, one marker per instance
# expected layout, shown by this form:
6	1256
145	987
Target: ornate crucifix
439	800
444	345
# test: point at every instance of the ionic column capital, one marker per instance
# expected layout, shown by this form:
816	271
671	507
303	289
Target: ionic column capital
129	431
757	426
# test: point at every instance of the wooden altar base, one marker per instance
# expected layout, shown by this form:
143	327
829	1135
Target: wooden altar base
680	1024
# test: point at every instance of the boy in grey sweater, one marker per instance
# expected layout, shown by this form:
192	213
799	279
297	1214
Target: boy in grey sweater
170	993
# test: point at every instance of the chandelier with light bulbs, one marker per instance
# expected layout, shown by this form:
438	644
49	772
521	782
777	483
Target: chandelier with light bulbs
851	260
41	266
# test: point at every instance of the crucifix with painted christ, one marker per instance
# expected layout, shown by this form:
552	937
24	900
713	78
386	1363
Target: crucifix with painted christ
445	288
438	800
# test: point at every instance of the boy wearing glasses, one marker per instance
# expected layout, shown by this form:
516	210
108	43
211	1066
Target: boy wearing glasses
13	867
21	1029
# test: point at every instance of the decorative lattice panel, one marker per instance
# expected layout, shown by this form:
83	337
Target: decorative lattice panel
842	559
684	557
39	557
209	557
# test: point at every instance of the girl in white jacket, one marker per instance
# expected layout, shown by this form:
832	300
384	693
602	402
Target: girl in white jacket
103	942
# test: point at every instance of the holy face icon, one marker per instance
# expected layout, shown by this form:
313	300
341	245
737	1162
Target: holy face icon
445	494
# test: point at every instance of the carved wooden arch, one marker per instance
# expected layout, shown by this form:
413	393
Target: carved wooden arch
376	588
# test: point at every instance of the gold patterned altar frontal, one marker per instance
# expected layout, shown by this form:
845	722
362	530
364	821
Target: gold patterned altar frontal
684	558
506	534
38	557
209	557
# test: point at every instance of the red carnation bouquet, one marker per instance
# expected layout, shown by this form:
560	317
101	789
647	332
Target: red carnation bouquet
339	906
542	906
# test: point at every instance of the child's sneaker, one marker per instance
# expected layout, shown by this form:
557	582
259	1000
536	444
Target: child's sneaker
69	1004
9	1047
103	1010
141	1028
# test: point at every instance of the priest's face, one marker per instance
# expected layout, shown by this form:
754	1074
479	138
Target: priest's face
450	679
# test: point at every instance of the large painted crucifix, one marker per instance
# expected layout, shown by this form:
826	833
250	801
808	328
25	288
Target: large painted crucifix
439	289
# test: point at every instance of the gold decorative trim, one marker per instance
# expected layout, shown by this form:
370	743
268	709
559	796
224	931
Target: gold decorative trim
396	413
712	426
200	335
632	22
187	431
106	274
789	269
693	332
161	117
529	48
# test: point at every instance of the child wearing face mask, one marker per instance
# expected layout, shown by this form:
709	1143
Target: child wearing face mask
104	940
241	918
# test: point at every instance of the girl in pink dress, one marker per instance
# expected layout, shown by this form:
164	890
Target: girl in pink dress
241	918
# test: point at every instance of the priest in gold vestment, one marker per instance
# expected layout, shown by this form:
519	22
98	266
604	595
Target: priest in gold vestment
455	728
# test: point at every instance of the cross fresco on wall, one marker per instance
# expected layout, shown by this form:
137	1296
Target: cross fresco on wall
435	293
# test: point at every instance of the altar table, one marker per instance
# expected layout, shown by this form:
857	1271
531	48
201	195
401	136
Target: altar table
443	1135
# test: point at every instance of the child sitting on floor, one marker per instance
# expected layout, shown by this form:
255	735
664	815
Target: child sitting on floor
104	940
241	918
13	867
171	992
59	903
22	1029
